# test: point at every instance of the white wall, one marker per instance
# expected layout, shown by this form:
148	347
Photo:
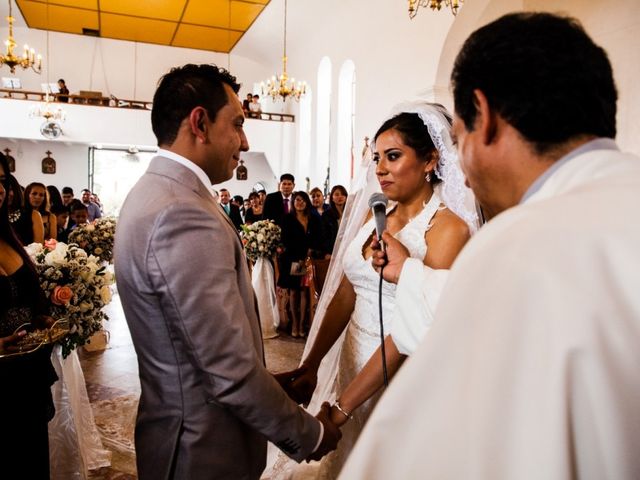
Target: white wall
71	163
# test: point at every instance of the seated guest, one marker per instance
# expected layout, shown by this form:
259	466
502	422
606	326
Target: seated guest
245	104
26	221
92	207
64	91
54	196
67	195
62	217
332	217
254	107
37	196
78	215
254	213
317	202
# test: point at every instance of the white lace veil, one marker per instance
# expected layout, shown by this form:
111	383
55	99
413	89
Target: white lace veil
453	192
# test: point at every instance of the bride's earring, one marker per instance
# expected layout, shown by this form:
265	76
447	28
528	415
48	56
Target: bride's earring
427	177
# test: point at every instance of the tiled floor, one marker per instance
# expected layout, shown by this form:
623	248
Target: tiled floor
112	374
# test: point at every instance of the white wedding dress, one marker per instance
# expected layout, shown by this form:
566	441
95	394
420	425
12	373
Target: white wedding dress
362	337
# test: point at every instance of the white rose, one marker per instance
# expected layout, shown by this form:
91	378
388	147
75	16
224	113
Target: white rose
105	294
90	227
34	249
260	237
55	258
86	306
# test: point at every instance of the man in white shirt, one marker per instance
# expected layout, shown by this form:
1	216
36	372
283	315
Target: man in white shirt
530	369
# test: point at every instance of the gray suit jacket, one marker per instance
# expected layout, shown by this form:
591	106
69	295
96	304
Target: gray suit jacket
208	404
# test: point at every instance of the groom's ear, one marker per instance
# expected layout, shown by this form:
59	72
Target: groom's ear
197	121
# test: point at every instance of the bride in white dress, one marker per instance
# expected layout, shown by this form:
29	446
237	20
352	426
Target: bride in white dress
416	168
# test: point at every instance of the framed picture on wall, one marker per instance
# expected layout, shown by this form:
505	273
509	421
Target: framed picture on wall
48	164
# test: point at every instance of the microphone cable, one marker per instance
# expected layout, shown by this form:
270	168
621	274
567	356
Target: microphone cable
385	376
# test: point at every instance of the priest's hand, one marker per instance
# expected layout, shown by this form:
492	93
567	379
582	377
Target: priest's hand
392	258
7	344
331	436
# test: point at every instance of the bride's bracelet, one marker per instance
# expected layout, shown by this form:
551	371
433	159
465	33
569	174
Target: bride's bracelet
346	414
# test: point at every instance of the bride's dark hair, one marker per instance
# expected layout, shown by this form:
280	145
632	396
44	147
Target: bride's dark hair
415	134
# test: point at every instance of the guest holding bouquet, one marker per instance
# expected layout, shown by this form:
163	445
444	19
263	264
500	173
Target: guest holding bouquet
25	403
301	239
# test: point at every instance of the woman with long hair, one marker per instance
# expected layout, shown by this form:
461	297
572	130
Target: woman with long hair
25	220
25	403
301	239
417	169
332	217
37	196
55	198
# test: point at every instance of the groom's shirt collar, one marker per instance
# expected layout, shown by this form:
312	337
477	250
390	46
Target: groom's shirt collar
190	165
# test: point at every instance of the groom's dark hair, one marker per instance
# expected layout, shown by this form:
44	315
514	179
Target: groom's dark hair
183	89
542	74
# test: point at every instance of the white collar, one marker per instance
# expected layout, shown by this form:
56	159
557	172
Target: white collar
190	165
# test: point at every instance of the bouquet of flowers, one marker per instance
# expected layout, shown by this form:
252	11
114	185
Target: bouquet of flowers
77	285
260	239
96	238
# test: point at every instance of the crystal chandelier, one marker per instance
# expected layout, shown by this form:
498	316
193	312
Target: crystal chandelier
433	5
28	58
280	85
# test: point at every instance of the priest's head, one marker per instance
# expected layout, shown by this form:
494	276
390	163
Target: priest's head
528	88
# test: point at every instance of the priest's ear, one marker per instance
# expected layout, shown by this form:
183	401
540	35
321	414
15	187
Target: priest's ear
486	121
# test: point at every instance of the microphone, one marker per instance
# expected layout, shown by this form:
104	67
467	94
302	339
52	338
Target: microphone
378	205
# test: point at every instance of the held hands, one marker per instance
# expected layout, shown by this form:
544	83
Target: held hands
392	258
331	437
299	383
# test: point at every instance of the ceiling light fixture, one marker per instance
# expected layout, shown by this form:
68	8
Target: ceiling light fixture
29	59
279	86
433	5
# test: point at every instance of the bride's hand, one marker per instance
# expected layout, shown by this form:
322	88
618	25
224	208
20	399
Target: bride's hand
299	383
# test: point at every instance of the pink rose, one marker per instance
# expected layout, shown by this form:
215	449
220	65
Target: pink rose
50	244
61	296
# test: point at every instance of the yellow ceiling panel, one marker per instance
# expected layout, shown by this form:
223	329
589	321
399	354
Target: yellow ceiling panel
243	14
199	24
213	13
56	18
205	38
162	9
87	4
137	29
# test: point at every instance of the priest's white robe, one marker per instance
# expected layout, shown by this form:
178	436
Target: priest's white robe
531	369
417	295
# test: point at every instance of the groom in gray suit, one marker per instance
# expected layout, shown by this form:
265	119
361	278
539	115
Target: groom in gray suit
208	404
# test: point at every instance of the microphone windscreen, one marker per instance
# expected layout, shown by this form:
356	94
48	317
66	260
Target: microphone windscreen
378	199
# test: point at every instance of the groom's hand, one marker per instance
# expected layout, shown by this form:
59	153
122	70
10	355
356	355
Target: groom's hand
392	258
299	383
331	437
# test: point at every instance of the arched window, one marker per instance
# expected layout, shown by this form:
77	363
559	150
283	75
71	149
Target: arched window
303	164
323	121
342	171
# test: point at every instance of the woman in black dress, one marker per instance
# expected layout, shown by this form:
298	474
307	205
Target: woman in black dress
301	238
332	217
26	405
254	213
